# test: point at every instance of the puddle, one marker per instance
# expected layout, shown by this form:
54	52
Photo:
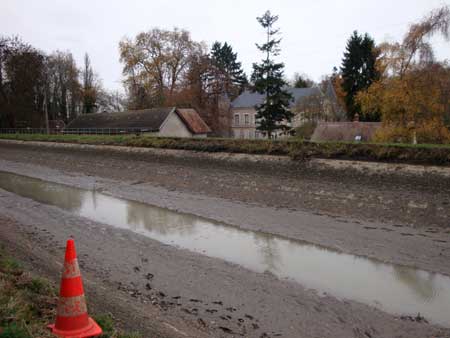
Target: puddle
394	289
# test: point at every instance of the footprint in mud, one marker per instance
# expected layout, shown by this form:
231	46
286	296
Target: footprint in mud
431	231
211	311
407	234
231	309
193	300
397	225
193	311
226	329
439	241
137	182
136	269
387	229
370	228
218	303
149	276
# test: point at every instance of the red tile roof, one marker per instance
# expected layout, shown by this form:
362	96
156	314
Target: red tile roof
193	121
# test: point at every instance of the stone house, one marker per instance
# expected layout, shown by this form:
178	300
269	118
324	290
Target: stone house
169	122
243	111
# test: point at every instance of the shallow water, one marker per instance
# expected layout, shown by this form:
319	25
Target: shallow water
392	288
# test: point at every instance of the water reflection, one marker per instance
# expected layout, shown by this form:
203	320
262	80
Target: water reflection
395	289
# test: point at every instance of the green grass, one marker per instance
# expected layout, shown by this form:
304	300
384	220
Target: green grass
14	331
295	148
28	303
106	322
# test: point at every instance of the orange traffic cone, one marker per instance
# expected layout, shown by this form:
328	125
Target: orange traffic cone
72	320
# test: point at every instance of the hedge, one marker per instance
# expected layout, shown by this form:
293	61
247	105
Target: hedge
296	149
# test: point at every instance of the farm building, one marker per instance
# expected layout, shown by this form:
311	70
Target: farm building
170	122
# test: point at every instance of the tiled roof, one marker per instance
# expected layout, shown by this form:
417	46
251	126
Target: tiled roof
193	121
250	99
148	119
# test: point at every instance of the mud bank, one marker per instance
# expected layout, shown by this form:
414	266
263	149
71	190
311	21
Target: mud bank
311	164
163	287
204	188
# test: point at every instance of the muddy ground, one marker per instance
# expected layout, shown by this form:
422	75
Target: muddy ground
167	292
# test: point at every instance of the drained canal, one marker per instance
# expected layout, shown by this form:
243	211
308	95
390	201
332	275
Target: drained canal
394	289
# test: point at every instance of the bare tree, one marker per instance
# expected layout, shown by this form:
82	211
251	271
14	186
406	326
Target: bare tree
63	88
158	61
89	87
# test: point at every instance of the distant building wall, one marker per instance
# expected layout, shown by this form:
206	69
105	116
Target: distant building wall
345	131
243	123
174	127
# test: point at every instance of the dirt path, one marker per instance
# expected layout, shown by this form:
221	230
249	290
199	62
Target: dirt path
196	296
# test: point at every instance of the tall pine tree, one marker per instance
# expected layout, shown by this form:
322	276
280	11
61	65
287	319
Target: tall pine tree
273	114
226	73
358	71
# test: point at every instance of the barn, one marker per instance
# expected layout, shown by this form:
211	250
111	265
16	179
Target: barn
169	122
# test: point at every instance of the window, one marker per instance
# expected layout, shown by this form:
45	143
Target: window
236	119
247	119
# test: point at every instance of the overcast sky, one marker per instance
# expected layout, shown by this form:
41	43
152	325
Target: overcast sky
314	32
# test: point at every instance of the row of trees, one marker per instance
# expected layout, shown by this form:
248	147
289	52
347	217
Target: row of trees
168	68
36	88
400	83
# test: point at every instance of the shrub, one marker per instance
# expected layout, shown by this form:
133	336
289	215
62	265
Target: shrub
431	132
297	149
306	130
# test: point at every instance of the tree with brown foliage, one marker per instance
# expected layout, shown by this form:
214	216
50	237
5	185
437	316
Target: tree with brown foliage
415	50
413	95
156	63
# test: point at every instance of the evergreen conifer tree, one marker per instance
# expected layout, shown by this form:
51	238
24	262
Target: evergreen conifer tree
273	114
227	73
358	70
